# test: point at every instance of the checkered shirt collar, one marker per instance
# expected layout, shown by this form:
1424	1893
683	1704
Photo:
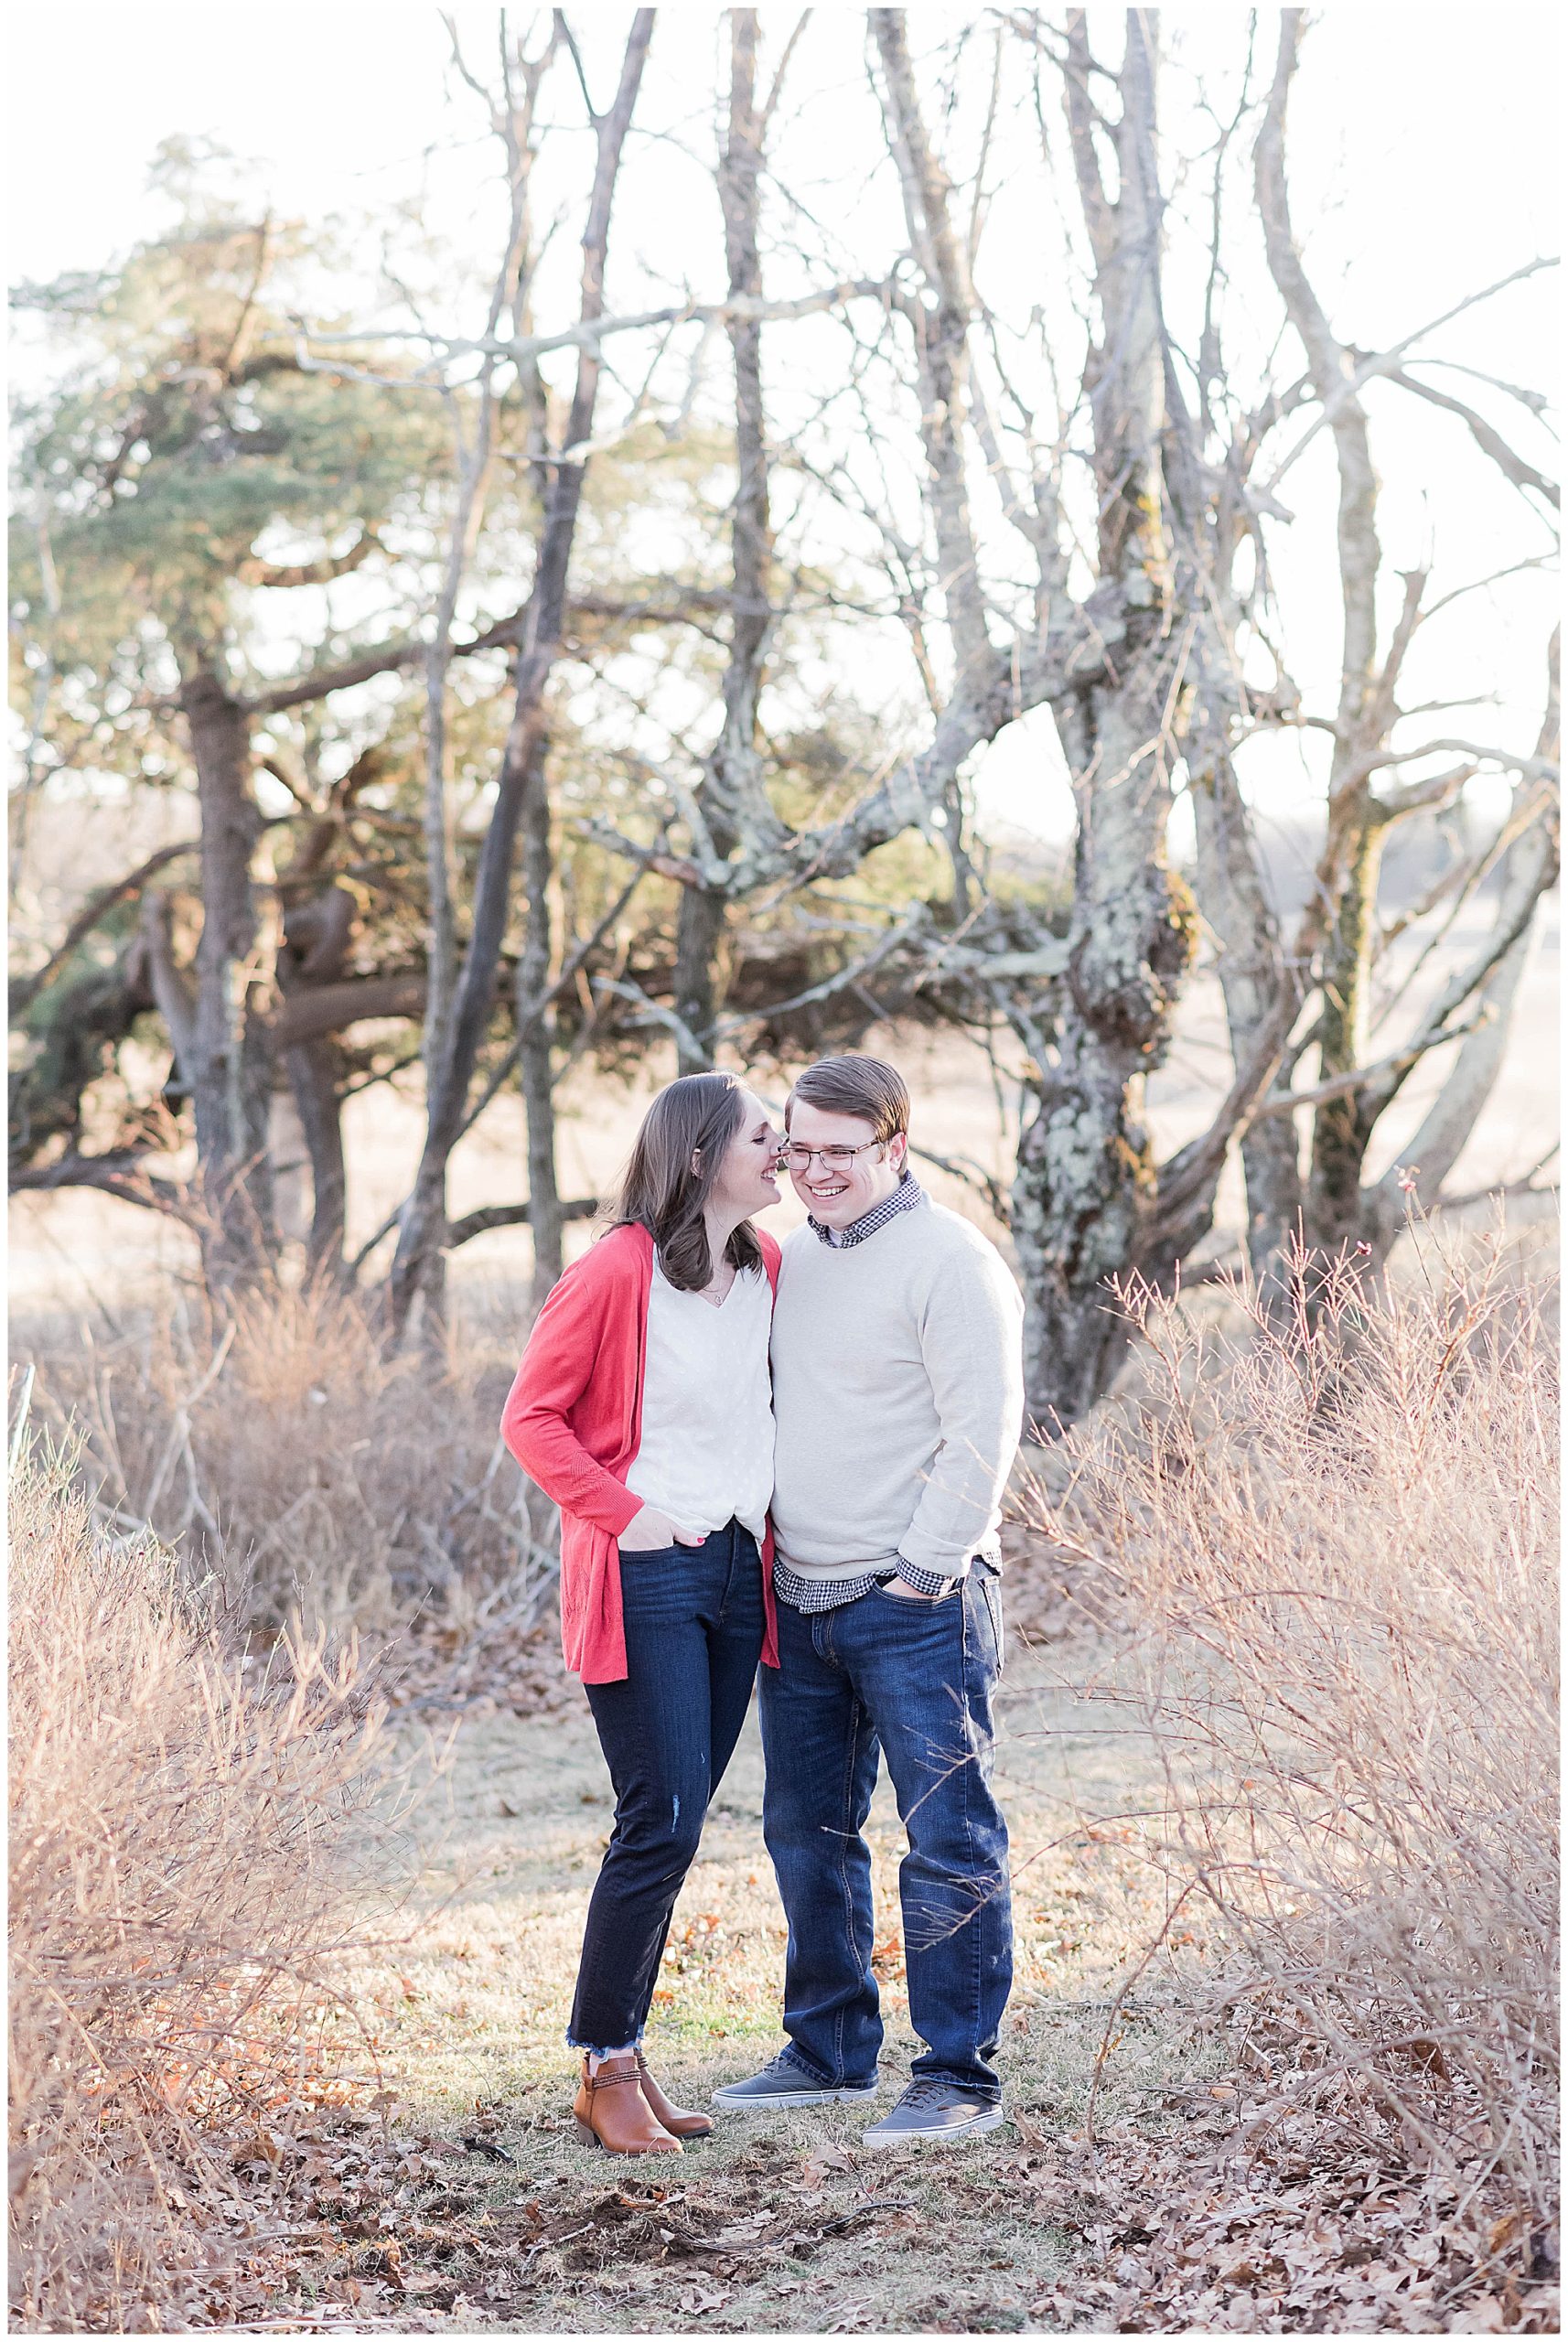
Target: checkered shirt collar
908	1196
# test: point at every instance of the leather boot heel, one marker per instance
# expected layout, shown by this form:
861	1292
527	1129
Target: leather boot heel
589	2138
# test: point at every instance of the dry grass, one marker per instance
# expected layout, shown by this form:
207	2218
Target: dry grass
295	1465
781	2223
1330	1550
1321	1566
176	1827
1211	2197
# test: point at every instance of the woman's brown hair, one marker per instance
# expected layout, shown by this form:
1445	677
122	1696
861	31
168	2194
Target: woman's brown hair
697	1115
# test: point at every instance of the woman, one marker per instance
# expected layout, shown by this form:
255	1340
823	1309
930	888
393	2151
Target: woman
643	1408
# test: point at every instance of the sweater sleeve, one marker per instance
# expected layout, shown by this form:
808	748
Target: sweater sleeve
535	1424
971	1342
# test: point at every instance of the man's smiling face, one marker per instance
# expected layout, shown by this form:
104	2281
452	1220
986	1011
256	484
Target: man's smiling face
838	1194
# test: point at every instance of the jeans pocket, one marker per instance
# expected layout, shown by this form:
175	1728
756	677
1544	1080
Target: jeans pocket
991	1587
913	1602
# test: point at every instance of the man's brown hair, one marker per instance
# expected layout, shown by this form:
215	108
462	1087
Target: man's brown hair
873	1092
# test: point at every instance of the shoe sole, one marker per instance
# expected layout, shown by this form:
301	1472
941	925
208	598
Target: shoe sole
947	2138
591	2138
793	2098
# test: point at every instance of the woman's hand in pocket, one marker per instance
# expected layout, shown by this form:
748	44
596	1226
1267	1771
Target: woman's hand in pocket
651	1532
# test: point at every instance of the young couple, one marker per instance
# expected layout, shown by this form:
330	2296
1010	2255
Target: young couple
836	1517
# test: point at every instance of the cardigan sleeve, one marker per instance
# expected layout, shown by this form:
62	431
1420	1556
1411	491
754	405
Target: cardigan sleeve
535	1425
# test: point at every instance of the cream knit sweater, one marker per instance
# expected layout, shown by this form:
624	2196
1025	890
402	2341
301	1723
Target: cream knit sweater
897	1394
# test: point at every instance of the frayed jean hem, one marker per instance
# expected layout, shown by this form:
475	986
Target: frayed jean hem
592	2048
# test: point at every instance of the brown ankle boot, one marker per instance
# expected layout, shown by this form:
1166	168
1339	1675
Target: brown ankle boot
611	2109
677	2121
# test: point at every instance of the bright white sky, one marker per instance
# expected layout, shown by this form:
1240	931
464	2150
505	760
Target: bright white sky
1425	102
1424	152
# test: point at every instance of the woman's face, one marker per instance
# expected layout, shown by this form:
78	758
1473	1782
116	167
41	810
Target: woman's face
746	1180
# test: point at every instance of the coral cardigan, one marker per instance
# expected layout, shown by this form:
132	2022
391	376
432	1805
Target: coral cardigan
573	1419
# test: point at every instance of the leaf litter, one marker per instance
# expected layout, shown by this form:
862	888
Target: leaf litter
1251	2215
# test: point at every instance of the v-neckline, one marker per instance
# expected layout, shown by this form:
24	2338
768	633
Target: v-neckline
686	1293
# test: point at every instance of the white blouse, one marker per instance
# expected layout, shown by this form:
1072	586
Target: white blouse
705	1453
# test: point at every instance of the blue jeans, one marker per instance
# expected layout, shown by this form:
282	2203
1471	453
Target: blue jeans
693	1636
914	1680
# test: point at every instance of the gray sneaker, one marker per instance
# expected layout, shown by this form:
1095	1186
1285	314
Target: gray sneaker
933	2110
786	2083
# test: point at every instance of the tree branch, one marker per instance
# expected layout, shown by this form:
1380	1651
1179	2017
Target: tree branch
1491	442
310	1014
655	1012
1369	368
502	634
590	333
25	990
489	1216
1390	1070
255	571
117	1174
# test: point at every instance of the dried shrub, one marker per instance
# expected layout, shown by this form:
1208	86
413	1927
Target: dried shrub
287	1454
1327	1550
178	1828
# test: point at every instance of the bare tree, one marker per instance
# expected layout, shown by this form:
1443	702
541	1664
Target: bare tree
740	845
1177	503
513	120
521	802
1334	953
1101	546
219	1011
733	790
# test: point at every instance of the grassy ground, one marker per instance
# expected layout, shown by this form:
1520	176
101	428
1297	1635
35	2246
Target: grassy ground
779	2222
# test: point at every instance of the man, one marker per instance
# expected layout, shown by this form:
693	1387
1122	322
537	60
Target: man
897	1377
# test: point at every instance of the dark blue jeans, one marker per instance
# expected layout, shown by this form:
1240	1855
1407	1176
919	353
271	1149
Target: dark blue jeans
915	1680
693	1636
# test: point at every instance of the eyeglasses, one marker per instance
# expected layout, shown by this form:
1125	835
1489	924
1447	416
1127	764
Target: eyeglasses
834	1158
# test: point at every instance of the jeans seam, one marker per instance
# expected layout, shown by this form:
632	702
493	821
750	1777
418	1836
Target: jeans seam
971	1758
848	1833
968	1657
845	1888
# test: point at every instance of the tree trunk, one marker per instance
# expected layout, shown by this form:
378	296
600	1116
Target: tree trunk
536	1031
1085	1184
312	956
734	783
699	933
422	1231
315	1072
1343	1126
1251	978
1333	1203
473	478
227	1066
1085	1190
1532	866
